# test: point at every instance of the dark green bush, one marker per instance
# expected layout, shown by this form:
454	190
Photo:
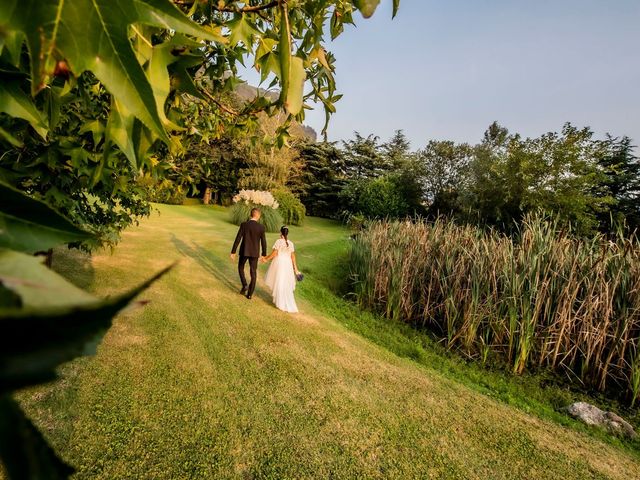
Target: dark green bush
165	191
291	208
376	198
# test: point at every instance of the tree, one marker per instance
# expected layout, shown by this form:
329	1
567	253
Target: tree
322	163
445	165
363	157
397	149
381	197
621	167
556	173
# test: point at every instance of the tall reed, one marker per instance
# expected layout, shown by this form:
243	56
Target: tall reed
543	299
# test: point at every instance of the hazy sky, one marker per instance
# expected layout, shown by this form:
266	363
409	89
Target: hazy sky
445	69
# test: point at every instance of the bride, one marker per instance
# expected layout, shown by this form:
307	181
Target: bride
281	276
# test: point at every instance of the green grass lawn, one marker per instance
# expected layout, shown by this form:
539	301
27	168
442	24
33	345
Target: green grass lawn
202	383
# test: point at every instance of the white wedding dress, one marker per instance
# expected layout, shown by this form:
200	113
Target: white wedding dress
281	278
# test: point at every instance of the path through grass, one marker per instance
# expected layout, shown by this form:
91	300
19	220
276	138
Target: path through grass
202	383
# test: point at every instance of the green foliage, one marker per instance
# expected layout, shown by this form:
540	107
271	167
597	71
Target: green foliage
445	164
524	302
322	164
75	169
290	207
165	191
109	80
621	168
94	36
376	198
21	220
25	451
500	180
271	218
44	322
364	158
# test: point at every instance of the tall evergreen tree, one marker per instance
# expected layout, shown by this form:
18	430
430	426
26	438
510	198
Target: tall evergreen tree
622	169
322	164
363	157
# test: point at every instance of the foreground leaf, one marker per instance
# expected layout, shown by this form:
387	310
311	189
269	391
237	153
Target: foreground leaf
37	286
30	226
295	92
120	131
367	7
292	72
396	6
16	103
93	35
35	340
24	452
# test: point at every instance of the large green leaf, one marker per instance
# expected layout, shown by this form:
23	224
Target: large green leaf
241	30
10	138
297	75
93	35
12	41
292	72
47	332
36	285
23	450
396	6
367	7
29	225
120	131
158	72
16	103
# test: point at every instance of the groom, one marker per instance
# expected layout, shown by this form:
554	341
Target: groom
252	235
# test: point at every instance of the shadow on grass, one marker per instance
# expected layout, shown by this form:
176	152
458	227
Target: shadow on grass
214	265
74	265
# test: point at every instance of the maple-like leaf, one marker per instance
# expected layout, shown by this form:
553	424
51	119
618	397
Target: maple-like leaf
94	35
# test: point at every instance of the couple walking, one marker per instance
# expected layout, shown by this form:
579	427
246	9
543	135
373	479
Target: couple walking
283	271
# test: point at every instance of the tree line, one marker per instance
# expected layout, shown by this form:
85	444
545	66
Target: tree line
589	184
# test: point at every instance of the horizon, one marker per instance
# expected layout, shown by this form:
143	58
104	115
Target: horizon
530	67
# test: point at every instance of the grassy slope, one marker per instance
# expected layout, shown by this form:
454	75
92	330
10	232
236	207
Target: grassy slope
202	383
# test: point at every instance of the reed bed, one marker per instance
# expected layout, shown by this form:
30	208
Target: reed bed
540	300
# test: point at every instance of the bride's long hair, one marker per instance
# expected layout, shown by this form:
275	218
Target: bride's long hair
284	231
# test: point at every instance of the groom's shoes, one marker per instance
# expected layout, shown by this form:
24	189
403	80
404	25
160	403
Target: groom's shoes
248	297
243	291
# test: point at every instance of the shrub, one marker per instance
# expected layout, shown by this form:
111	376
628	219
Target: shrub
248	199
164	191
290	207
541	300
376	198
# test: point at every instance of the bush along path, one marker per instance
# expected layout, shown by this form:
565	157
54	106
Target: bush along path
203	383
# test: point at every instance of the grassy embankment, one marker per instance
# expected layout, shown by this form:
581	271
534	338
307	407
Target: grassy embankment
202	383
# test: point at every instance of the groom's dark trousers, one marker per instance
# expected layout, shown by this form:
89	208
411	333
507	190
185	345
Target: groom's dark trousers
251	236
253	272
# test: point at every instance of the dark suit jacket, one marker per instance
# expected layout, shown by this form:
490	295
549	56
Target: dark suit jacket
252	234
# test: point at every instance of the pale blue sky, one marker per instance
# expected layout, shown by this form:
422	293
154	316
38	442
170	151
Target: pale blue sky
445	69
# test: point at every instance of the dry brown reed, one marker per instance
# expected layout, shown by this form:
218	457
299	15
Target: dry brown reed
542	299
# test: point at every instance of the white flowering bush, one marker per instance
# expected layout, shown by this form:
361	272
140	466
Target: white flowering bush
257	198
245	200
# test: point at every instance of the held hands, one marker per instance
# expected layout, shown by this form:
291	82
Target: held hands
263	259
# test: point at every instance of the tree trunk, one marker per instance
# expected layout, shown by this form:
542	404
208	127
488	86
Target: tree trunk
206	199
